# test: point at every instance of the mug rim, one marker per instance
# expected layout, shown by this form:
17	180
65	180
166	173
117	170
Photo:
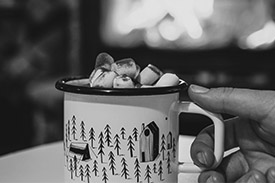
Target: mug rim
63	85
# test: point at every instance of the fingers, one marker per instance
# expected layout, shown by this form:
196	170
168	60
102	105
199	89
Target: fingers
253	176
270	175
202	148
211	177
234	166
202	151
253	104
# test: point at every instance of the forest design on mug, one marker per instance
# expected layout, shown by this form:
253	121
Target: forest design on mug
139	154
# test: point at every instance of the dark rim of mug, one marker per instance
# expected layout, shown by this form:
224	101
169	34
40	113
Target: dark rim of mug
66	84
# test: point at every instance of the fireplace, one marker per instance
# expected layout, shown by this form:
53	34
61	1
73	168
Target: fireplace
207	42
211	42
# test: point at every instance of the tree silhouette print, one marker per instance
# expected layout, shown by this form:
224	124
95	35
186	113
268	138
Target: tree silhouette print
81	172
87	173
163	146
148	173
68	130
155	168
67	159
117	144
74	127
122	133
108	138
160	170
124	171
71	168
101	146
112	163
131	145
168	162
95	168
82	131
75	165
135	134
66	134
104	175
174	148
137	171
92	136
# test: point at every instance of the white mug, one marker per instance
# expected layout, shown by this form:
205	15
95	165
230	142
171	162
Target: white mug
127	135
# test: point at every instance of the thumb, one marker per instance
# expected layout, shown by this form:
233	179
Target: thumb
258	105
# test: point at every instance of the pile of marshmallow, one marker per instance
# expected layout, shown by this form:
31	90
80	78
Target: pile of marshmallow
125	73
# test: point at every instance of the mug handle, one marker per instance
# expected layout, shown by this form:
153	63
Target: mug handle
190	107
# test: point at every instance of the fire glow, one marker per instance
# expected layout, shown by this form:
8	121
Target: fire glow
179	24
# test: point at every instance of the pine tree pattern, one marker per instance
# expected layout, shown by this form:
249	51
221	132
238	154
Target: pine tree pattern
66	136
82	132
148	174
174	148
135	134
87	173
124	171
160	171
102	166
155	168
131	145
75	165
104	175
101	146
137	171
68	131
81	172
71	168
112	163
92	136
163	146
108	138
74	127
95	168
122	133
168	163
117	144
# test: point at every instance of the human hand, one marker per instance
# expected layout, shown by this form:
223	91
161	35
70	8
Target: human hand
252	130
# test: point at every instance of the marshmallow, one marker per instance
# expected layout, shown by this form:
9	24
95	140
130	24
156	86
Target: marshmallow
125	73
104	60
123	81
94	75
168	79
126	66
105	79
149	75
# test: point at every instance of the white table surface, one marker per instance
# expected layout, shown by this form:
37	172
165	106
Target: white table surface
44	164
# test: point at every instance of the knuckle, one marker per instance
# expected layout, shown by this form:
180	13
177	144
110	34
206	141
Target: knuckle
257	174
225	94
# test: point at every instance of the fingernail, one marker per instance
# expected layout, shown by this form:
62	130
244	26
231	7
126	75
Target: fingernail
198	89
272	174
202	158
211	179
253	179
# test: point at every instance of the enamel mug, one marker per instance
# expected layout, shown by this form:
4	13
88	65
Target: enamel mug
127	135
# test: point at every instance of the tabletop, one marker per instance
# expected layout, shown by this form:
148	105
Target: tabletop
45	164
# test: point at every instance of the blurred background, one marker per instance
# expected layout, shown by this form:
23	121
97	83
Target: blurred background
208	42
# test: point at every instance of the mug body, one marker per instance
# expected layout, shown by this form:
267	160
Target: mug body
120	135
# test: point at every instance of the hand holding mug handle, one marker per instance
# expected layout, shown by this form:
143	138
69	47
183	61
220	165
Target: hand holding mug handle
190	107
